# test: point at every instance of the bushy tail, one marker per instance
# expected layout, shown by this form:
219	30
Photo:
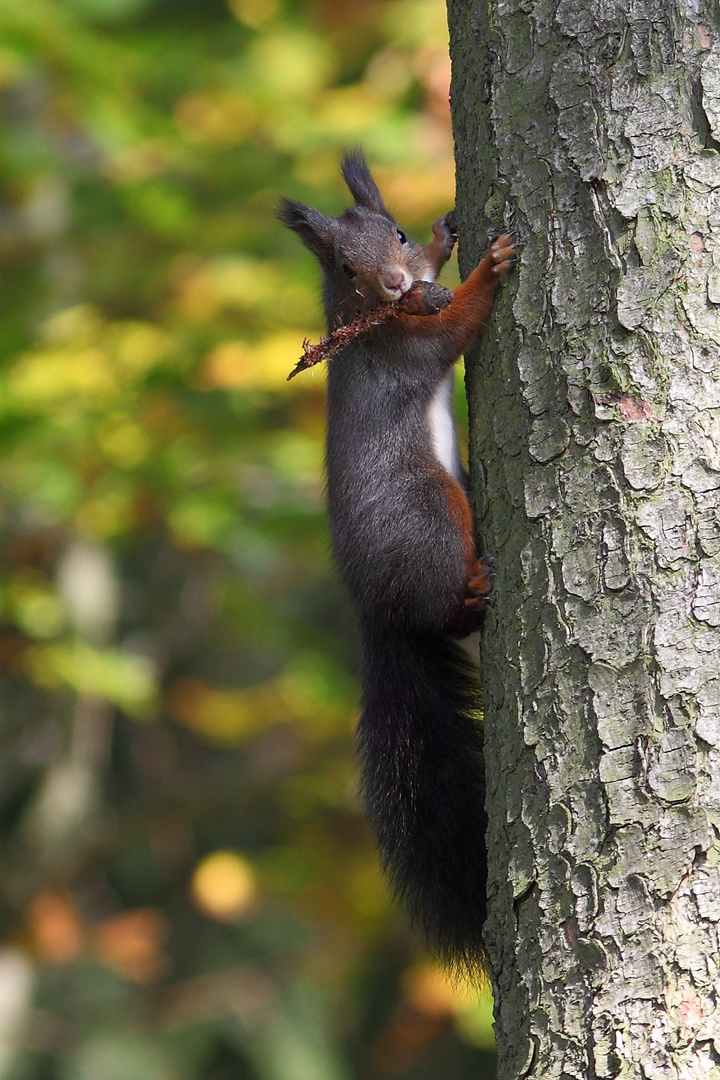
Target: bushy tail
424	784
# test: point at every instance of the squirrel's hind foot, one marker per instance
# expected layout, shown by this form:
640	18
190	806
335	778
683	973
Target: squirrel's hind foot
470	614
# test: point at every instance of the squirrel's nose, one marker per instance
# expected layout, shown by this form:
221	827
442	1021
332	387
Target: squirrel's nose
399	279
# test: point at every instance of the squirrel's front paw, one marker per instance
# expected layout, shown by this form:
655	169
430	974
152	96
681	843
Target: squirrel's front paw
445	232
502	254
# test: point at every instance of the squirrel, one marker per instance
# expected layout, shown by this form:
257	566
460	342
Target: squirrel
402	536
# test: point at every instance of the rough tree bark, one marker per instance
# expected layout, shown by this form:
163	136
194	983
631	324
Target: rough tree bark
592	128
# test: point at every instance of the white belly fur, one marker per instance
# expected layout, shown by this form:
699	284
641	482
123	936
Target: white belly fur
441	421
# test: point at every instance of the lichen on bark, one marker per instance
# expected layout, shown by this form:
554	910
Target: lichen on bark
593	132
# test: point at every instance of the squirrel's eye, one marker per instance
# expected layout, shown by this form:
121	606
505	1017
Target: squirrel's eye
348	270
401	236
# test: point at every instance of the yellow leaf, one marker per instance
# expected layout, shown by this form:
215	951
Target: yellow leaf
224	886
265	365
226	715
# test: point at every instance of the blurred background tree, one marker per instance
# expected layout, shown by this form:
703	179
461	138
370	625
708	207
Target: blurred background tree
188	890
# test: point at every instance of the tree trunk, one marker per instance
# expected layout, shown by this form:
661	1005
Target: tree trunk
590	129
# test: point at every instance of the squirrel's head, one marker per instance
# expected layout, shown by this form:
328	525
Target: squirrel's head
364	254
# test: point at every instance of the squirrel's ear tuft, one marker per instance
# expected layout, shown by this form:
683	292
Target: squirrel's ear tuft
363	188
314	230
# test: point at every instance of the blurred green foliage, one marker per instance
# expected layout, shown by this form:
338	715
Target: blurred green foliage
188	890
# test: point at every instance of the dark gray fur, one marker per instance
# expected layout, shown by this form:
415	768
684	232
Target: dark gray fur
398	548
